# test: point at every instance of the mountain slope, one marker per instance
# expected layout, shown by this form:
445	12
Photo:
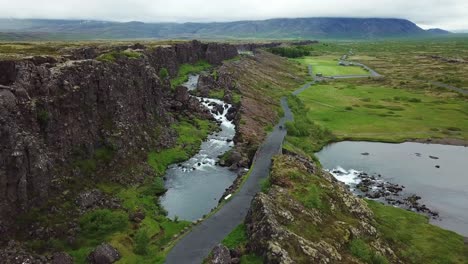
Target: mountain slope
367	28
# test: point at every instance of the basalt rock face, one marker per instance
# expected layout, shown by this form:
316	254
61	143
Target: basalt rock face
173	56
255	46
53	112
8	76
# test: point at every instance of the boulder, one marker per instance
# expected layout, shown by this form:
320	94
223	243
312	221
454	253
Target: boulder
181	94
221	255
231	113
104	254
137	216
62	258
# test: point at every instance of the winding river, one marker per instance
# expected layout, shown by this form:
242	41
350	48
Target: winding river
437	173
195	186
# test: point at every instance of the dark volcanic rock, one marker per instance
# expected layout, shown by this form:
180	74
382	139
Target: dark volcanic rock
55	114
7	72
62	258
14	253
94	199
231	114
104	254
221	255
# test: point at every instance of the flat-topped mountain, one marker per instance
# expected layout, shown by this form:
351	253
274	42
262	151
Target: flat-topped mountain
308	28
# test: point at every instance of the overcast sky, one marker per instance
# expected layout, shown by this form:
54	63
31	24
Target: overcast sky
448	14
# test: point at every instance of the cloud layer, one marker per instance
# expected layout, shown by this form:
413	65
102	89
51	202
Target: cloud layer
448	14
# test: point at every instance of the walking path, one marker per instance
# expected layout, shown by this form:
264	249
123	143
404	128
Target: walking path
196	245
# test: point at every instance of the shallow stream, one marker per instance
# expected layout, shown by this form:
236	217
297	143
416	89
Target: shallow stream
195	186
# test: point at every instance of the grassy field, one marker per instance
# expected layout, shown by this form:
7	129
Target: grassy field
406	63
373	112
328	66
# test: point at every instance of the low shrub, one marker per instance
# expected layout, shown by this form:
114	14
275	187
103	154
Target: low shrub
102	222
157	187
142	241
163	73
289	52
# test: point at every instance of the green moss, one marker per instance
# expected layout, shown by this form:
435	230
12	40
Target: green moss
190	136
163	73
236	98
251	259
43	117
186	69
142	241
265	185
312	197
99	224
156	188
101	156
216	94
237	238
114	55
361	250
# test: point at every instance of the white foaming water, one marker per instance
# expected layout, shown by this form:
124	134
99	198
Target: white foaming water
349	177
195	186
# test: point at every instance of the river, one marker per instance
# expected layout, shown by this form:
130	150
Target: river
194	187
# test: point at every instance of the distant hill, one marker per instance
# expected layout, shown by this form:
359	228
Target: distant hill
438	31
306	28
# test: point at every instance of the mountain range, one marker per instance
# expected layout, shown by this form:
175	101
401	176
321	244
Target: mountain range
281	28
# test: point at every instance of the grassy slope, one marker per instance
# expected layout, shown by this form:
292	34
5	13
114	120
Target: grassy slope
237	239
416	239
328	66
262	80
375	112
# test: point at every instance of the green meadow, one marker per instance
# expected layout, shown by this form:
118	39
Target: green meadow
328	66
373	112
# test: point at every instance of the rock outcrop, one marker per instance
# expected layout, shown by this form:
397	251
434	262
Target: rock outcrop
58	116
104	254
286	225
220	255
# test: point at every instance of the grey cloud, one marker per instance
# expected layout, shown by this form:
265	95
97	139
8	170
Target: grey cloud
449	14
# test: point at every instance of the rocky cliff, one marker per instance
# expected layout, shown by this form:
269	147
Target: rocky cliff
58	115
309	217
